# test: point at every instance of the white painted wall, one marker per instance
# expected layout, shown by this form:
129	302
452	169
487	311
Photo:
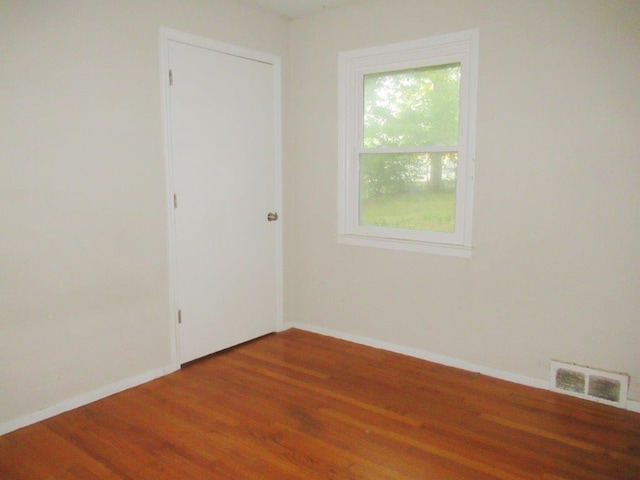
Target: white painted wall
83	249
555	272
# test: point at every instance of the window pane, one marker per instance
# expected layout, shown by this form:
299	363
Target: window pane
416	191
417	107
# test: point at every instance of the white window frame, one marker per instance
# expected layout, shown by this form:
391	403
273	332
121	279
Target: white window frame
460	48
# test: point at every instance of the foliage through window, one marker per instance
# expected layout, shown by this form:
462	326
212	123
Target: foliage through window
407	125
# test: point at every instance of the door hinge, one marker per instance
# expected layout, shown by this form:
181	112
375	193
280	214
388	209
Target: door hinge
179	316
170	77
175	200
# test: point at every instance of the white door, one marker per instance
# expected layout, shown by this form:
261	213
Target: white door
223	155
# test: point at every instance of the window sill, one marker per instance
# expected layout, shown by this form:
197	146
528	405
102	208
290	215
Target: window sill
406	245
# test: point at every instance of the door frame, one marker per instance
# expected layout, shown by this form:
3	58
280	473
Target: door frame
167	35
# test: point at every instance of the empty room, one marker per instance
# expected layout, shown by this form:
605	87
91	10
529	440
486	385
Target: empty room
320	239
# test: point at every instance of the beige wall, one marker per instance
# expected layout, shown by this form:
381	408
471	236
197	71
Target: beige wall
83	250
83	254
555	272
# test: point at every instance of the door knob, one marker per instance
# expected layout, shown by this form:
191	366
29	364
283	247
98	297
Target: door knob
272	217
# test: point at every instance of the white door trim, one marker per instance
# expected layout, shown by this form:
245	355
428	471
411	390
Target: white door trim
167	35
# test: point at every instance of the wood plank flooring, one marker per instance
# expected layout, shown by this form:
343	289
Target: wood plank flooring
296	405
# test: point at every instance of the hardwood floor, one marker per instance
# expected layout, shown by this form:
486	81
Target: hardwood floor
302	406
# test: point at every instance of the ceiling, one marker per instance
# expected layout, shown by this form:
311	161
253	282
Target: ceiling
295	8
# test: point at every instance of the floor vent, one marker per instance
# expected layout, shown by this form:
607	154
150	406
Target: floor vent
585	382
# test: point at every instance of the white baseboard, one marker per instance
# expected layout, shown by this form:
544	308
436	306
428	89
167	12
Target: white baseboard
84	399
632	405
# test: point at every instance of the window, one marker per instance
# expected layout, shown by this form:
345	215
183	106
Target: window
407	144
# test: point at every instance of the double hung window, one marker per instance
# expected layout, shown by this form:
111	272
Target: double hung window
407	144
